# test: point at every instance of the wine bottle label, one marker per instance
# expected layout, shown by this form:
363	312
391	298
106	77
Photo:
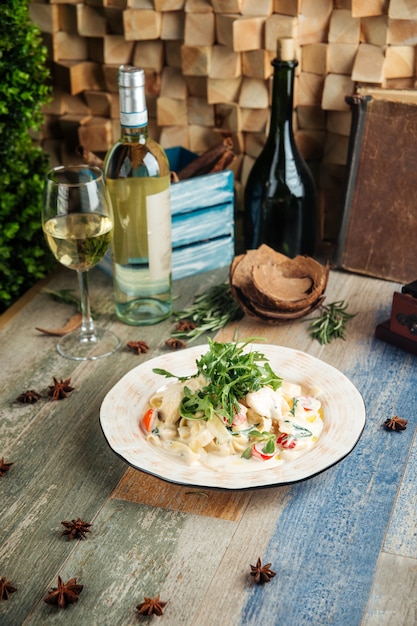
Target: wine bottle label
158	217
134	119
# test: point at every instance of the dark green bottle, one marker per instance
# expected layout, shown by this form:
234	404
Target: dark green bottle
280	195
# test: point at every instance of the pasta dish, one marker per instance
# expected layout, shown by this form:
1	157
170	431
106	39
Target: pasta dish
234	412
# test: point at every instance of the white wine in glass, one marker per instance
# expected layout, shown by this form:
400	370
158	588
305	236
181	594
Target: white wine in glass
77	222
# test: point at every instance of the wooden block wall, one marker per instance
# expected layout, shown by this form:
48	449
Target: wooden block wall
208	73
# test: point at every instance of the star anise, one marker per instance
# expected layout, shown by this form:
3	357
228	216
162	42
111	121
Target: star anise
151	606
29	397
261	573
395	423
184	326
60	389
65	593
4	467
76	529
175	344
6	588
139	347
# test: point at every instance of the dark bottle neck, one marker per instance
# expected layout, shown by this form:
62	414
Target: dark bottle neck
282	98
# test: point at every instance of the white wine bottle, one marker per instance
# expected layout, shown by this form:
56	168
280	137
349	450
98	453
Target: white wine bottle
137	175
280	195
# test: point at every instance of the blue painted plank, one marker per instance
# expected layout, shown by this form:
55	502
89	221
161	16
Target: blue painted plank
201	192
202	257
402	532
326	543
189	228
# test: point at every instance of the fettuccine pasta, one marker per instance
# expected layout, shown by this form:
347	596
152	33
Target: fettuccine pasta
266	425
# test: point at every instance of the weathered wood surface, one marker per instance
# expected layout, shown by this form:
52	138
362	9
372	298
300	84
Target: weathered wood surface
343	543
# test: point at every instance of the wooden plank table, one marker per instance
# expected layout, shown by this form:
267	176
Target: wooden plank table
343	543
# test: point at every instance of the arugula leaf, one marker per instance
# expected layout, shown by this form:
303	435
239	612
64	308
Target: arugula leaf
294	406
300	431
231	373
267	437
196	406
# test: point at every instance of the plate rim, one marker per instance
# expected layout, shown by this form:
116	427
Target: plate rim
226	484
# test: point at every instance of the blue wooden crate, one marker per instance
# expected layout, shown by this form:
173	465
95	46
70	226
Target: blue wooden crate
202	218
202	210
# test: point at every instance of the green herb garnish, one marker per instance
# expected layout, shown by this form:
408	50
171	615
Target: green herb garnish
210	311
261	437
231	373
331	324
294	406
300	431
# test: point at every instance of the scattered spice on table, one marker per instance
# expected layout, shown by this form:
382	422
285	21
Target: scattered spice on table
331	324
395	423
6	588
4	467
184	326
65	593
138	346
28	397
175	344
60	389
261	573
151	606
76	529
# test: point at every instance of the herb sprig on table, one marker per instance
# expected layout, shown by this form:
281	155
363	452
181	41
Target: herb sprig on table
210	311
65	296
331	324
230	373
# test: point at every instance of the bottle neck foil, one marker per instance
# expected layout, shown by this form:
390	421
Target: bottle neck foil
133	110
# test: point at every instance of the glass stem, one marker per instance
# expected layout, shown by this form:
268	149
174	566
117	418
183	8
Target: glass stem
87	325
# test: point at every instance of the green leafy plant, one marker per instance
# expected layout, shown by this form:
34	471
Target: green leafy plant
24	89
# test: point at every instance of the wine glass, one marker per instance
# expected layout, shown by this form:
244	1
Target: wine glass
77	222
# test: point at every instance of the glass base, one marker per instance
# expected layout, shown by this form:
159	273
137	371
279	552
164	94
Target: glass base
90	348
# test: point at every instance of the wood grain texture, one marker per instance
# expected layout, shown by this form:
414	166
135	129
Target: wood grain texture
341	543
385	606
135	486
401	538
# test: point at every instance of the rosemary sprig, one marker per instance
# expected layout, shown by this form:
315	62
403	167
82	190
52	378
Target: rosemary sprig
331	324
210	311
63	295
66	296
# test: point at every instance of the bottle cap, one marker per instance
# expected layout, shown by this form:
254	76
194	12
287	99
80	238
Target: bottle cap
285	49
133	111
130	76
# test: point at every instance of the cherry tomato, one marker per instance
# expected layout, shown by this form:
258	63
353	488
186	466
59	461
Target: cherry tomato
258	453
286	441
240	418
149	420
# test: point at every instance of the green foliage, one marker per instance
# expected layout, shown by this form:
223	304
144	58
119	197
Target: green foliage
24	89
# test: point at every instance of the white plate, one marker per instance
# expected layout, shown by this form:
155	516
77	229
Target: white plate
126	402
